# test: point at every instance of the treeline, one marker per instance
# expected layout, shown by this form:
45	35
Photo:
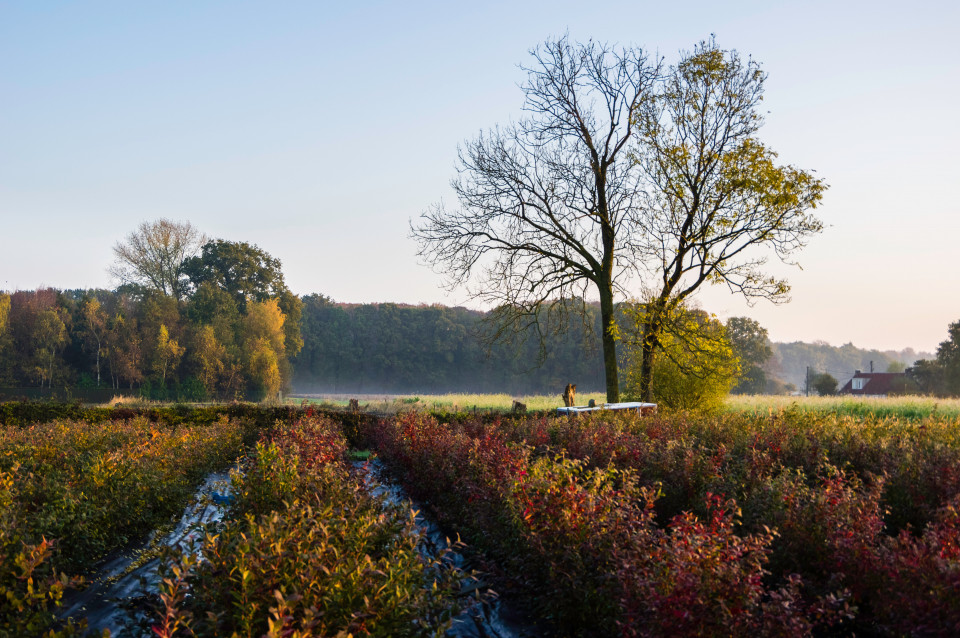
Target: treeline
193	319
220	342
391	348
395	348
204	347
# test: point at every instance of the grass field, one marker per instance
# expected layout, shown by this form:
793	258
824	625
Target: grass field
450	402
908	407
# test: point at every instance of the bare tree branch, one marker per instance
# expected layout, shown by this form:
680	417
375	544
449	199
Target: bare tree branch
548	207
153	255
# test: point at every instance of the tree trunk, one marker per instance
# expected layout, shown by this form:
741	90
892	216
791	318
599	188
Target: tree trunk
648	350
651	341
608	322
605	286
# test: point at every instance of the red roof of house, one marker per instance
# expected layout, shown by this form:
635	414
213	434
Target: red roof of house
876	382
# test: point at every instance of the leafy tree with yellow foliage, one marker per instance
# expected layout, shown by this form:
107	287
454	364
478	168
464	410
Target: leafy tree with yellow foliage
697	365
264	352
717	201
4	313
49	335
167	354
210	359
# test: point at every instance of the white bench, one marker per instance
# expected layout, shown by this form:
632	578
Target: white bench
635	406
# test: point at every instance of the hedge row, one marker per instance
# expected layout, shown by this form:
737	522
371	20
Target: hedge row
308	550
72	491
615	524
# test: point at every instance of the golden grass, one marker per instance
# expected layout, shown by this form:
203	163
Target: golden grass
911	407
450	402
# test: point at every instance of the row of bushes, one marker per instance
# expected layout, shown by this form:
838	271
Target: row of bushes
869	504
71	491
785	524
307	550
619	524
917	462
20	413
583	545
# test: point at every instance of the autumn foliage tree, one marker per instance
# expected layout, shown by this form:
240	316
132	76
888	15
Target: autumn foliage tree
211	363
697	365
716	201
166	354
4	314
125	350
49	335
37	332
264	353
94	322
5	347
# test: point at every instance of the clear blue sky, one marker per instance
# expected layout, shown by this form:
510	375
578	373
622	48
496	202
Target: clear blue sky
318	130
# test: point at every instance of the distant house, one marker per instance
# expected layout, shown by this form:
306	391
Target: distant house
875	384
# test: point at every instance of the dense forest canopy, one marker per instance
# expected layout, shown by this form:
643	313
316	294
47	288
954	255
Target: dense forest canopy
399	348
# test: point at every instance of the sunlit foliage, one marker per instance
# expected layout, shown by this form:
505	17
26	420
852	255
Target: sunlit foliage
696	365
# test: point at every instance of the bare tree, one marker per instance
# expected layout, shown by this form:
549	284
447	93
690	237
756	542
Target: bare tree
717	204
549	206
153	255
